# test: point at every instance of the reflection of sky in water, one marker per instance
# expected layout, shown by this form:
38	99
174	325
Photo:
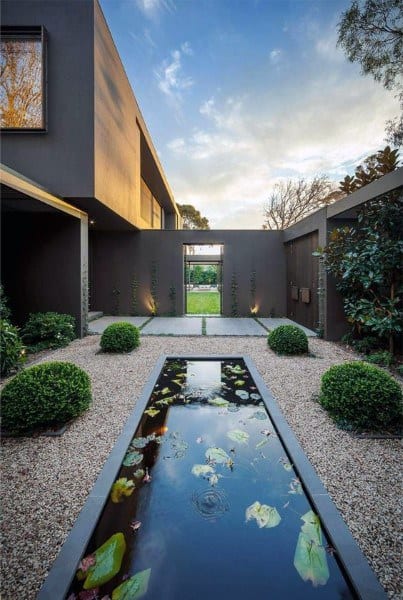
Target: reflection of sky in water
194	535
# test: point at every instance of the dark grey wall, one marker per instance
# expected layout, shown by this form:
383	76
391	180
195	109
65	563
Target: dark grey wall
116	259
42	264
62	159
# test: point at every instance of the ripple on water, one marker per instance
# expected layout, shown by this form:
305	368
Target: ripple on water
211	504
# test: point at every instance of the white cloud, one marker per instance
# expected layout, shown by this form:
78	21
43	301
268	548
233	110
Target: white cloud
275	56
170	76
152	8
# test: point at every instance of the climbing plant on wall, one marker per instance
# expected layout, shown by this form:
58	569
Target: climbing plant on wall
172	300
234	296
252	281
134	287
154	287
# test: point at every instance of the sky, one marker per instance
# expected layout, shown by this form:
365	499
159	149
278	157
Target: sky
239	95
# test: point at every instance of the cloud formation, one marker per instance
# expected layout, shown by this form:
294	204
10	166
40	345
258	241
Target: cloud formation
152	8
170	77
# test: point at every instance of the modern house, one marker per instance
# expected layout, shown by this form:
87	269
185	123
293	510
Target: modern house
88	217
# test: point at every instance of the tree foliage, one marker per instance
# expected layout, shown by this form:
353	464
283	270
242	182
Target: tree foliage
292	200
366	262
375	166
192	218
371	34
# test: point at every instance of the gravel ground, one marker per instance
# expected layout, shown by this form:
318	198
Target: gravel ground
46	480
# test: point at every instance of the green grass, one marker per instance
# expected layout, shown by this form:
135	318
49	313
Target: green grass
203	303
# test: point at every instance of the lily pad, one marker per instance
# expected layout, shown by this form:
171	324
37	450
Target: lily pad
239	382
132	458
165	401
121	489
310	556
262	443
259	414
133	588
295	487
218	401
202	470
237	435
140	442
165	391
217	455
255	396
108	560
213	479
152	412
232	407
139	474
243	395
236	370
178	382
266	516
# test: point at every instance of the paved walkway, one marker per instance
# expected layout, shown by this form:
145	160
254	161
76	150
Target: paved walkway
219	326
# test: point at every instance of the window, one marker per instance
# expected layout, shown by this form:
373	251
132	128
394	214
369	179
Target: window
23	78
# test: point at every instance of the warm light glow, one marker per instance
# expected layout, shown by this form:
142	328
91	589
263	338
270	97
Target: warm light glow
152	306
254	309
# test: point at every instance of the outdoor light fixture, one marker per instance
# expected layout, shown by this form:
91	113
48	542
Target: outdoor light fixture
254	309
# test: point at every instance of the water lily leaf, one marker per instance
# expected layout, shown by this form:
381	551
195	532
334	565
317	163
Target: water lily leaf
310	556
242	394
295	487
152	412
139	474
237	370
237	435
213	479
239	382
165	401
140	442
217	455
286	465
202	470
218	401
108	560
133	588
261	444
233	407
121	489
255	396
178	382
259	414
165	391
132	458
266	516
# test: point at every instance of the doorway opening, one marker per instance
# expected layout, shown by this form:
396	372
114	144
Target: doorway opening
203	279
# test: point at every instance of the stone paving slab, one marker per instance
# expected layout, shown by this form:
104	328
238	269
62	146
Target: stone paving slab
272	323
233	326
173	326
99	325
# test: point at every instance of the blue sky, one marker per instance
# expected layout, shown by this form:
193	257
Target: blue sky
241	94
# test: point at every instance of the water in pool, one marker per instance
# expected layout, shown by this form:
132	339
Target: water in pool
206	505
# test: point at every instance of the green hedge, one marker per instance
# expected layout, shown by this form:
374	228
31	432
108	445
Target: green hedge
288	339
44	395
48	330
360	396
12	350
120	337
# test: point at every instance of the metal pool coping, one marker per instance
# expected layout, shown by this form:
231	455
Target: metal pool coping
354	564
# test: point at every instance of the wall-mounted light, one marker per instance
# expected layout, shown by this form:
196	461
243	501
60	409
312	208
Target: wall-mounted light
254	309
92	221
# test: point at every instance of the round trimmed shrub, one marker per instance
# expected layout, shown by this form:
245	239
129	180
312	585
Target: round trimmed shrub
361	396
48	330
288	339
43	395
120	337
12	350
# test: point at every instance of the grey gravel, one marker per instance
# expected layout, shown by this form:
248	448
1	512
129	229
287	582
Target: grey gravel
46	480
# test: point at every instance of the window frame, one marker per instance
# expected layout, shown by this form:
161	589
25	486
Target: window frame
35	32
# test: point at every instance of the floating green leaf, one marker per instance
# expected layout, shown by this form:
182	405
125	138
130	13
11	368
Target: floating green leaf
217	455
286	465
213	479
237	370
140	442
255	396
165	391
295	487
202	470
237	435
139	474
242	394
132	588
122	488
178	382
310	556
218	401
165	401
132	458
262	443
233	407
259	414
152	412
239	382
108	560
266	516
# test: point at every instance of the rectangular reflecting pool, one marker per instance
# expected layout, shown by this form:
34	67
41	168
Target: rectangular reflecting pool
206	504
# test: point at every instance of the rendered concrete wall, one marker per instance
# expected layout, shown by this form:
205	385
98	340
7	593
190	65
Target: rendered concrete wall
38	276
61	159
120	259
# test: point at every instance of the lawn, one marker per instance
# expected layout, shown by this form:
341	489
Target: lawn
203	303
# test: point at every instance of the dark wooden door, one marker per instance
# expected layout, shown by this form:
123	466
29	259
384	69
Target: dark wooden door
302	281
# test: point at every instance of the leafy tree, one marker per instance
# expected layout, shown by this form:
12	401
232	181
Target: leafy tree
366	262
291	201
192	218
371	34
375	166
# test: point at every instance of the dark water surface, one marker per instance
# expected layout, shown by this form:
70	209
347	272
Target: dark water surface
213	508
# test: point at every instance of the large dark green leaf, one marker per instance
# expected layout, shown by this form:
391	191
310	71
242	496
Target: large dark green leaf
133	588
108	560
